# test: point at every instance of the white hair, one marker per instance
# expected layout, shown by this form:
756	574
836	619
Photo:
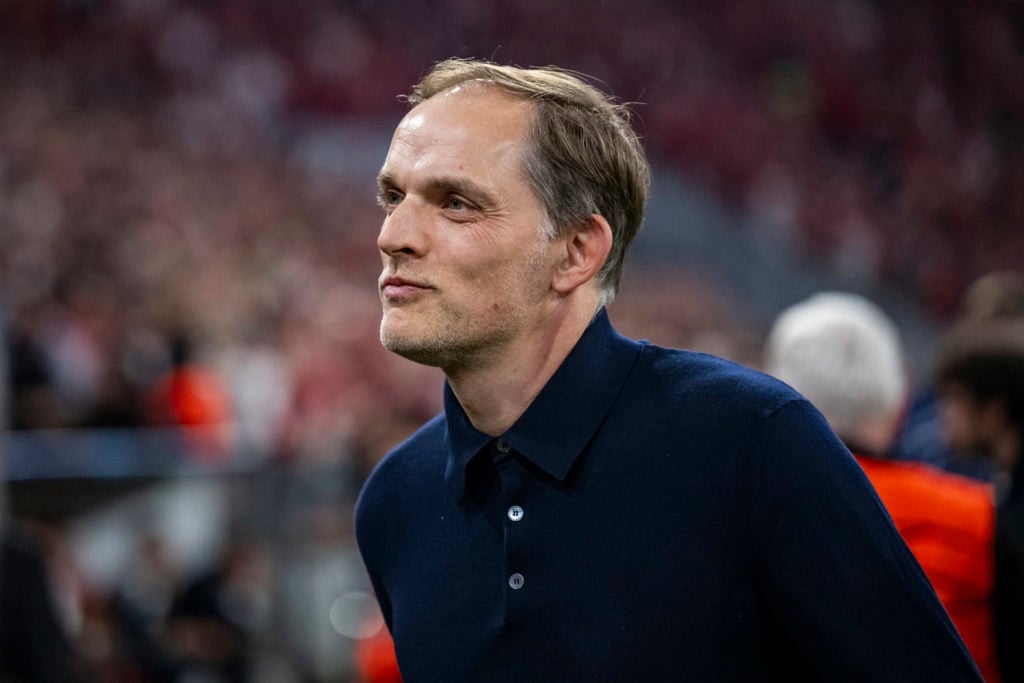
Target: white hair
844	355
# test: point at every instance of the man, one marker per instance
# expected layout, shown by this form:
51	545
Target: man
588	507
844	355
980	378
33	643
995	295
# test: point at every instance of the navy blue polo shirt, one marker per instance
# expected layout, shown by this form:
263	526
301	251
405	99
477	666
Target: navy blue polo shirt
654	515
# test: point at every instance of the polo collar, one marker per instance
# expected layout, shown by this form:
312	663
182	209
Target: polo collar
567	412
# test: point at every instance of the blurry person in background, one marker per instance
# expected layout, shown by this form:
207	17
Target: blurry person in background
998	295
33	401
34	646
193	396
844	355
995	296
211	624
980	380
587	506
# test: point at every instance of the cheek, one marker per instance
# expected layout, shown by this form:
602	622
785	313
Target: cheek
493	278
507	277
956	423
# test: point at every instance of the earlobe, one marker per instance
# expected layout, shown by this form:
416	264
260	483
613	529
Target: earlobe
586	251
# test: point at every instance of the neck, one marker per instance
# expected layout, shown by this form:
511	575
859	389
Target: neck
497	391
873	437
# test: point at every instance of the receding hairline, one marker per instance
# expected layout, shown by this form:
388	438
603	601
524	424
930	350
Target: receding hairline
473	86
478	88
544	83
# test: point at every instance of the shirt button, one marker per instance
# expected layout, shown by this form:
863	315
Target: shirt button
515	513
502	446
516	581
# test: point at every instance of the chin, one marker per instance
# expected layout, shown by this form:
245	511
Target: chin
418	353
408	344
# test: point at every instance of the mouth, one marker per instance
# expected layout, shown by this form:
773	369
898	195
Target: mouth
398	289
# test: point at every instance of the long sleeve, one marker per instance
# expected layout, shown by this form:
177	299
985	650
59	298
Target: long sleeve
847	597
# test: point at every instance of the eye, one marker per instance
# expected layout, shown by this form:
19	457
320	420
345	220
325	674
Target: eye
388	198
456	204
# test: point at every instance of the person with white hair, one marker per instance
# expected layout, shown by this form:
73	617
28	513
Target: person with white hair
845	356
841	351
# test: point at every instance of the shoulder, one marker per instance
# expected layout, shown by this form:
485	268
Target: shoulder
931	479
708	382
723	413
923	487
405	472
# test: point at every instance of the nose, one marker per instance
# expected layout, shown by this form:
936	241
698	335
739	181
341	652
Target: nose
401	232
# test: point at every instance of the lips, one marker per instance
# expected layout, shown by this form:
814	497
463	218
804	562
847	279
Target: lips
400	288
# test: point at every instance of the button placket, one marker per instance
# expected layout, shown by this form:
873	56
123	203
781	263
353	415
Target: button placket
512	477
515	513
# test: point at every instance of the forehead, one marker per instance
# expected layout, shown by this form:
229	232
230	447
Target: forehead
469	124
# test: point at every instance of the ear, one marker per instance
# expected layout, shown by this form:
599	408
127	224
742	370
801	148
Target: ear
586	250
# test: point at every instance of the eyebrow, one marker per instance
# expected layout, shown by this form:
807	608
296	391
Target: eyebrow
447	184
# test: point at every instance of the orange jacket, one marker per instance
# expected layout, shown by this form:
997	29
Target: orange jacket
948	521
194	397
375	659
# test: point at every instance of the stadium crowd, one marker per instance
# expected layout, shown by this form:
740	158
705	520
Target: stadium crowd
169	252
151	194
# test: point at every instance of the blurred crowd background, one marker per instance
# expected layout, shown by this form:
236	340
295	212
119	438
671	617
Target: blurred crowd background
194	388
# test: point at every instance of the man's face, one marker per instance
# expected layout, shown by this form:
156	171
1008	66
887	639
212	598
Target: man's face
965	421
467	269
